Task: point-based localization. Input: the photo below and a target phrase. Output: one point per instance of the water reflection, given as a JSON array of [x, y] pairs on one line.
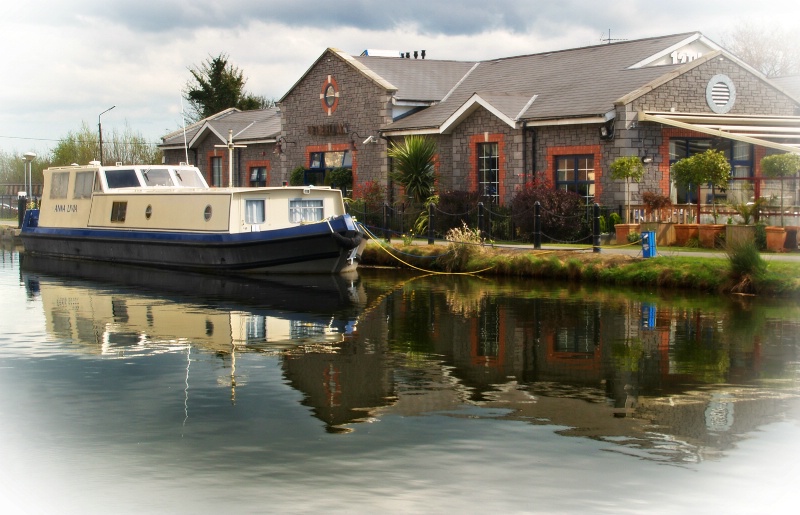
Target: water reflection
[[666, 378]]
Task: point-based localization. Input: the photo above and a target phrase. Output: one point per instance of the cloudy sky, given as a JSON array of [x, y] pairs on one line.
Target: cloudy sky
[[67, 61]]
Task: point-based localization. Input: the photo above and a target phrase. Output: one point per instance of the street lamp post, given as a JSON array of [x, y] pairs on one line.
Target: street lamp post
[[28, 193], [100, 131]]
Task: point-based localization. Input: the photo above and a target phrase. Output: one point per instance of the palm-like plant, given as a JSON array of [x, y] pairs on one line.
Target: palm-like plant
[[414, 166]]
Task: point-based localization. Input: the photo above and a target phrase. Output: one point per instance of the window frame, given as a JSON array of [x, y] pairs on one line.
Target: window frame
[[576, 182], [489, 188], [298, 213]]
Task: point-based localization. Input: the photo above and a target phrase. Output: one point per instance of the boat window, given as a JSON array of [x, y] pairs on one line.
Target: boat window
[[118, 211], [301, 210], [84, 184], [122, 179], [189, 179], [157, 177], [254, 211], [59, 184]]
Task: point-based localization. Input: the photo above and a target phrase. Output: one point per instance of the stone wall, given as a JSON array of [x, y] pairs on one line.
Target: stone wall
[[363, 107]]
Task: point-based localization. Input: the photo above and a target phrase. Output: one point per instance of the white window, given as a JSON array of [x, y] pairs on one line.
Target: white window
[[254, 211], [301, 210]]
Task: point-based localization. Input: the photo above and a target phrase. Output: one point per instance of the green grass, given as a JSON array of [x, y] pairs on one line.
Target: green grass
[[708, 274]]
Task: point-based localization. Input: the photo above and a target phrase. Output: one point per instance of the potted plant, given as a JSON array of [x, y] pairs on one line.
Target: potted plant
[[780, 166], [629, 168], [744, 230], [710, 167], [655, 204]]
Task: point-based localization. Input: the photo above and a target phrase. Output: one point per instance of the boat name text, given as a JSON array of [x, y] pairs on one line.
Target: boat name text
[[66, 208]]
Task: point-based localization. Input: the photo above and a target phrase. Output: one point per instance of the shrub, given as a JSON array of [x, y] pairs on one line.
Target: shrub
[[297, 176], [746, 264], [341, 178], [464, 244], [563, 214], [457, 207], [634, 236], [613, 219]]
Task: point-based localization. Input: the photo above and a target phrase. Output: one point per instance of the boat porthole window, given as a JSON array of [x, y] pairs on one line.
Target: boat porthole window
[[148, 212], [207, 213]]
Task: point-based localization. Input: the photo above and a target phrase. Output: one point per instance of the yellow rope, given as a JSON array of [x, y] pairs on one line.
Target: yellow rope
[[418, 268]]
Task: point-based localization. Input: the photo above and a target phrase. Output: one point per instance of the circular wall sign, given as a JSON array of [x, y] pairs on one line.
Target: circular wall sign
[[329, 96], [720, 94]]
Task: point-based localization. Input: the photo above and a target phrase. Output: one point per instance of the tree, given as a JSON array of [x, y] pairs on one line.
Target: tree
[[82, 146], [217, 85], [781, 165], [710, 167], [628, 168], [774, 51], [413, 161]]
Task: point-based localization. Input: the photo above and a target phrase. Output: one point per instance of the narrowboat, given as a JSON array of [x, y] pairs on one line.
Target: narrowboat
[[167, 216]]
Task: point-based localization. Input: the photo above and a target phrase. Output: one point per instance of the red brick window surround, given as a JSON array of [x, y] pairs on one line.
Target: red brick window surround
[[478, 162], [259, 173], [591, 151], [329, 95]]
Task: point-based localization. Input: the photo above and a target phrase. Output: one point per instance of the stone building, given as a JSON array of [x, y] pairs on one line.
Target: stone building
[[560, 117]]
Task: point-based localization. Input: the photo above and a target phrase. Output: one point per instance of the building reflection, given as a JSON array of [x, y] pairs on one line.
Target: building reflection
[[677, 380]]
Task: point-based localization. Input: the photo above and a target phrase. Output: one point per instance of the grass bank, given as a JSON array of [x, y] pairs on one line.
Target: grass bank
[[725, 274]]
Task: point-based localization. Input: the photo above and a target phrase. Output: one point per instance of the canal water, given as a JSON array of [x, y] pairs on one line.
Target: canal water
[[138, 391]]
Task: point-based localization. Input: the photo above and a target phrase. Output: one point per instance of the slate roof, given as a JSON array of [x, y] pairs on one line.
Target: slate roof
[[579, 82], [419, 80], [255, 125]]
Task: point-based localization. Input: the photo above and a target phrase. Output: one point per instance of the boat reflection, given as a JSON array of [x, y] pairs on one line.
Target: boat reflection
[[121, 310]]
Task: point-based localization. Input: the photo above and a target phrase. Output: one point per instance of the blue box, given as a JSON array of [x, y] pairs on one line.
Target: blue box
[[649, 244]]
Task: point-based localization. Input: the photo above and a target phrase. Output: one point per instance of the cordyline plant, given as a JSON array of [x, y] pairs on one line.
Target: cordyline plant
[[780, 165], [413, 162], [710, 167]]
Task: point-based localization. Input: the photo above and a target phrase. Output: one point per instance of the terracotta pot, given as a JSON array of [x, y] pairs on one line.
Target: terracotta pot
[[623, 230], [791, 237], [708, 234], [685, 232], [776, 237]]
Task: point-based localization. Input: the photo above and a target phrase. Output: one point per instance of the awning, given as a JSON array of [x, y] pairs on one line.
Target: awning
[[778, 132]]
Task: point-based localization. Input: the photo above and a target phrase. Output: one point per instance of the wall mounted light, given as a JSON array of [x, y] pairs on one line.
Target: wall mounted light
[[647, 159], [367, 141], [607, 130], [280, 143]]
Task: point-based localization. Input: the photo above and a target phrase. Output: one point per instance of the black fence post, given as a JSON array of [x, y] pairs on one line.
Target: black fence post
[[596, 228], [22, 204], [402, 217], [431, 208], [537, 226], [480, 220], [386, 233]]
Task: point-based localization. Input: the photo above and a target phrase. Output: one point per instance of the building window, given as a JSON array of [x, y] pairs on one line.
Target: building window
[[216, 171], [258, 176], [305, 211], [739, 155], [488, 171], [320, 163], [576, 173]]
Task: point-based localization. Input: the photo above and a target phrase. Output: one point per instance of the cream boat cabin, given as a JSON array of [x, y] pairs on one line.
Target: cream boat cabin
[[168, 216]]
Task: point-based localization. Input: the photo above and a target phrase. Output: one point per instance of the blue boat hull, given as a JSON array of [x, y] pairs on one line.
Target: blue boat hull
[[327, 247]]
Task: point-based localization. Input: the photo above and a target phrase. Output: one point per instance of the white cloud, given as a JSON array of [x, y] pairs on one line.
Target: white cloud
[[68, 61]]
